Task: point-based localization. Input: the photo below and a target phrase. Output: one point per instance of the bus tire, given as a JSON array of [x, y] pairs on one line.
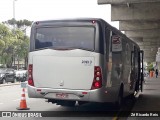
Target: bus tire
[[137, 86], [120, 99]]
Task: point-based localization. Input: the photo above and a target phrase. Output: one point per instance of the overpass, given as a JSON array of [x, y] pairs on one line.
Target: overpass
[[140, 20]]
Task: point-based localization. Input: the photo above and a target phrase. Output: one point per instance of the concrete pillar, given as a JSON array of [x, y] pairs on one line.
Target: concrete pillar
[[124, 1], [151, 44], [142, 11], [153, 39], [149, 59], [137, 39], [138, 25], [144, 33]]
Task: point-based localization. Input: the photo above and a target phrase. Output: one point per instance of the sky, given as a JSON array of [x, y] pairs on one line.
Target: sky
[[35, 10]]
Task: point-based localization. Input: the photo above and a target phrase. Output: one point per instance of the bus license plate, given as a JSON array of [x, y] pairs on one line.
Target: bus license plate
[[62, 95]]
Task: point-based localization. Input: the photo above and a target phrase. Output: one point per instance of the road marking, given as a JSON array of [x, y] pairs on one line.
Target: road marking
[[16, 100]]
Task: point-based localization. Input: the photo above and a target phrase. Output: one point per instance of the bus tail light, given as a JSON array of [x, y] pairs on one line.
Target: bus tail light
[[30, 75], [97, 81]]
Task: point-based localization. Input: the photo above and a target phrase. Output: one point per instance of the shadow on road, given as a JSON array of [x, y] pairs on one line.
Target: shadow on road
[[94, 110]]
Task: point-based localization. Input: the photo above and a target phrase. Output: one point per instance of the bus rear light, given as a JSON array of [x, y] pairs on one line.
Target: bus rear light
[[97, 68], [97, 84], [97, 73], [30, 75], [97, 78], [30, 82], [97, 81], [37, 22], [93, 21]]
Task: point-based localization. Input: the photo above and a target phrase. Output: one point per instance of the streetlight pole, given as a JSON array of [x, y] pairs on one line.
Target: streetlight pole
[[14, 19], [14, 11], [14, 25], [14, 16]]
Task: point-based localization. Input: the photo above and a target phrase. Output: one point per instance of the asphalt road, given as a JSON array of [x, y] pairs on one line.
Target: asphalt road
[[10, 99], [10, 96]]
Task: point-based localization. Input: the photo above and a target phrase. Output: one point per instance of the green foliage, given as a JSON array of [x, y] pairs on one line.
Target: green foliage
[[21, 24], [11, 22], [150, 67], [13, 43]]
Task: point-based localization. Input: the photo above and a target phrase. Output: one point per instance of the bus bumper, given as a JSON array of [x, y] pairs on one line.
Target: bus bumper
[[96, 95]]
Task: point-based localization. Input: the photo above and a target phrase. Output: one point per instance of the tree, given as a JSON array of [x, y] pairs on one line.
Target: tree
[[16, 43], [5, 48], [21, 24], [150, 67]]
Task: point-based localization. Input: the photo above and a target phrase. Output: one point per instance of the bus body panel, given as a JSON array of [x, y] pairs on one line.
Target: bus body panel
[[56, 69]]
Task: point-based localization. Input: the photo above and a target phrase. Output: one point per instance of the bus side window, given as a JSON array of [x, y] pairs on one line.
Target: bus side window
[[107, 42]]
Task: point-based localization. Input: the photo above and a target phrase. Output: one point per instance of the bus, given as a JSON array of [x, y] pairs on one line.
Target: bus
[[82, 60]]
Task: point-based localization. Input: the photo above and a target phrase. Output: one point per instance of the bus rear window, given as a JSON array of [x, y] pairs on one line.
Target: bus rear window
[[65, 37]]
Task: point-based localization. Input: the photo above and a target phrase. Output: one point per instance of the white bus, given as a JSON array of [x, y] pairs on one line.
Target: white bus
[[82, 60]]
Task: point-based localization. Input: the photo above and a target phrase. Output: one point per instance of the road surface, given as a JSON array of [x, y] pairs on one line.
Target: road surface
[[10, 97]]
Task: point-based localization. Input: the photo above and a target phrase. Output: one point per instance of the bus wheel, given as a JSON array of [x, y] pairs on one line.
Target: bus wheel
[[137, 86], [120, 100]]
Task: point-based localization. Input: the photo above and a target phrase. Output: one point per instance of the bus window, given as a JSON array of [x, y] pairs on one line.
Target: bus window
[[65, 37]]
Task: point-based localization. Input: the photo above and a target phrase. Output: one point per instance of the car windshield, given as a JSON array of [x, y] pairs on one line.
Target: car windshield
[[65, 37]]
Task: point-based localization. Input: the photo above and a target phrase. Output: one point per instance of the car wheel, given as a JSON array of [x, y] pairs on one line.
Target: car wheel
[[14, 80], [3, 81]]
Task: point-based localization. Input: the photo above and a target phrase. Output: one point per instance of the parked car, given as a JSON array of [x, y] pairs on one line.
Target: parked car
[[21, 75], [7, 75]]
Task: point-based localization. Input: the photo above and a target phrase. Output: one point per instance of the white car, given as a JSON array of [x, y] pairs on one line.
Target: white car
[[21, 75]]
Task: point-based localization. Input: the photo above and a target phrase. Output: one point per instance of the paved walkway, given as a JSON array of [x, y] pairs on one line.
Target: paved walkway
[[148, 102]]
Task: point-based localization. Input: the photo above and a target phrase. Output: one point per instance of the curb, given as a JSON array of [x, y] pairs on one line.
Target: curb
[[10, 84]]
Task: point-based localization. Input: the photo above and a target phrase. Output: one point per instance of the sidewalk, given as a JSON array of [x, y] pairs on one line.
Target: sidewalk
[[148, 102]]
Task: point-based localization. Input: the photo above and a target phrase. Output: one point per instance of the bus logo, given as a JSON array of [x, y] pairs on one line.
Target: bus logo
[[87, 62]]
